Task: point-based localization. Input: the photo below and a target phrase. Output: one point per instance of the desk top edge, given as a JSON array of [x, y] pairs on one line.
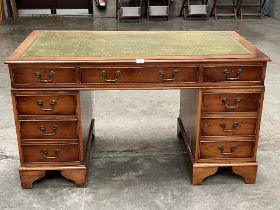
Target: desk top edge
[[17, 58]]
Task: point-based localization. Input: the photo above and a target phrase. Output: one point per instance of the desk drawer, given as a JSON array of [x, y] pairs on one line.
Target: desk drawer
[[49, 129], [233, 149], [43, 76], [50, 153], [46, 104], [139, 75], [228, 126], [232, 73], [231, 102]]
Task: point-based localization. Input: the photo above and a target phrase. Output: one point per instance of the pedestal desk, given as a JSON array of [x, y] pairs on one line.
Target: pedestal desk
[[220, 76]]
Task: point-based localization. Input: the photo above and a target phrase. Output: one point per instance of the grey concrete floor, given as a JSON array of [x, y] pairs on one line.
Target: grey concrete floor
[[137, 161]]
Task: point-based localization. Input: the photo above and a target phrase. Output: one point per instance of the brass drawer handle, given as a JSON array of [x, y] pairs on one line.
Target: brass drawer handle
[[104, 74], [56, 154], [232, 150], [41, 105], [238, 72], [38, 76], [234, 127], [43, 130], [226, 102], [162, 76]]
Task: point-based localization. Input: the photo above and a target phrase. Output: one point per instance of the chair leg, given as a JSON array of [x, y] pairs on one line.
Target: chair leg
[[235, 14], [234, 9], [14, 8], [261, 9], [2, 12], [118, 17], [215, 11], [182, 8], [184, 13]]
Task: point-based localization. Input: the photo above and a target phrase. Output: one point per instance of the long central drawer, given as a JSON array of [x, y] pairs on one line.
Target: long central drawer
[[138, 74]]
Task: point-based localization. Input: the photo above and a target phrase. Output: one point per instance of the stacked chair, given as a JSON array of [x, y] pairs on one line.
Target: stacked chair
[[132, 9], [238, 7], [229, 9], [190, 9], [129, 11], [258, 5], [158, 10]]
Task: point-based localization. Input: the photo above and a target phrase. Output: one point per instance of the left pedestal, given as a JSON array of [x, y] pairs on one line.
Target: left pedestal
[[55, 131]]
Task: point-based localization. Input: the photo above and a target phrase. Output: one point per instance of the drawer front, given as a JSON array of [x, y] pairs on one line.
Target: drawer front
[[232, 73], [43, 76], [48, 129], [228, 126], [139, 75], [46, 105], [50, 153], [231, 102], [227, 149]]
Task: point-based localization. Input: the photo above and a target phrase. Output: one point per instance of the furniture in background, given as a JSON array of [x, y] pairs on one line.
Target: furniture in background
[[220, 76], [228, 9], [101, 3], [54, 5], [157, 10], [13, 7], [258, 5], [2, 12], [192, 10], [127, 11]]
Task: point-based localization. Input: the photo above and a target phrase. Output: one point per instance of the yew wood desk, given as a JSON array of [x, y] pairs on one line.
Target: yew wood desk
[[220, 76]]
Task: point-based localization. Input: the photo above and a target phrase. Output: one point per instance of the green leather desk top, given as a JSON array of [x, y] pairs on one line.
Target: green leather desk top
[[139, 44]]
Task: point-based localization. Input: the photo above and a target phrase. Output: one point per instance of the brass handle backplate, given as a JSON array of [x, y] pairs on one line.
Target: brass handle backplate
[[162, 76], [227, 74], [234, 127], [231, 106], [232, 150], [104, 74], [43, 130], [38, 76], [56, 154], [40, 103]]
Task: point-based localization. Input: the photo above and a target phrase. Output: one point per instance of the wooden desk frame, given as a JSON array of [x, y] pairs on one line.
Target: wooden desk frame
[[211, 95]]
